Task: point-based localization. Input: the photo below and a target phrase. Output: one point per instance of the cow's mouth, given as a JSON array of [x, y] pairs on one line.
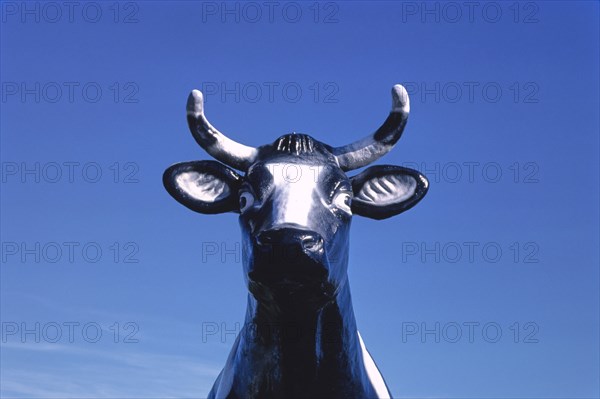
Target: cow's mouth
[[297, 282], [291, 279], [288, 296]]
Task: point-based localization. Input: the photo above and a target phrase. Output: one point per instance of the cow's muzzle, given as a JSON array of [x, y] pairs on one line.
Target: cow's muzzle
[[289, 257]]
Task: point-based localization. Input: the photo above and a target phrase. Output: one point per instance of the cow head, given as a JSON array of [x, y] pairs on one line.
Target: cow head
[[295, 200]]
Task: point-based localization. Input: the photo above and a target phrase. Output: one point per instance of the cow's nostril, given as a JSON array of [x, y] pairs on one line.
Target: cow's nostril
[[312, 243]]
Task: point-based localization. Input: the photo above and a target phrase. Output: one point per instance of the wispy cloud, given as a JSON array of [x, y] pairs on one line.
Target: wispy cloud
[[72, 371]]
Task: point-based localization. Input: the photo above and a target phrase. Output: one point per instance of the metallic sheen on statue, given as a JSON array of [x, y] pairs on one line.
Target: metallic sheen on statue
[[296, 202]]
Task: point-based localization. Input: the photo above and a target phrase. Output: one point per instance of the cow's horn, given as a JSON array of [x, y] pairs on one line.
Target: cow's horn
[[370, 148], [218, 145]]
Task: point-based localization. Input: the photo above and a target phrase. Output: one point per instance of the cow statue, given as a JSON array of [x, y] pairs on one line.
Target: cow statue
[[295, 203]]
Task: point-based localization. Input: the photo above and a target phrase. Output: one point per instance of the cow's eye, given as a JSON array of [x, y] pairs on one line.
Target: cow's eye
[[246, 200], [342, 201]]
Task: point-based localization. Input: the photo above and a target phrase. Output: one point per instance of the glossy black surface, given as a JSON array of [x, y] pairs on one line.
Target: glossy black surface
[[300, 338]]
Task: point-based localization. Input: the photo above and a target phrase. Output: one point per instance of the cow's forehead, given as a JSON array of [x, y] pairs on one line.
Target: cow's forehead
[[295, 172], [298, 160]]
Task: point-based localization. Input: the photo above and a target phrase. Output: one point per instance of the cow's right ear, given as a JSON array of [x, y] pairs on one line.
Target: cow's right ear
[[203, 186]]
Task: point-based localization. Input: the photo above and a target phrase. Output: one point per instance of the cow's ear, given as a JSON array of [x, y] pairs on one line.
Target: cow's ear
[[384, 191], [203, 186]]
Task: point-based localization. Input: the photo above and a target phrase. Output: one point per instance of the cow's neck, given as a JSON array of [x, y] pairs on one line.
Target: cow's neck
[[298, 351]]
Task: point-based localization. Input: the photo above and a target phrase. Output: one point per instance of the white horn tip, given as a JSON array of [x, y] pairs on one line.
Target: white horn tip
[[400, 100], [195, 104]]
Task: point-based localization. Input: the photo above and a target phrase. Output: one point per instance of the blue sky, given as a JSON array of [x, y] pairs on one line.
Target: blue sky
[[504, 248]]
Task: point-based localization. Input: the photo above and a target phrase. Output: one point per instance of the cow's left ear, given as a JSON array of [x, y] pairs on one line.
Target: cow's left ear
[[203, 186], [383, 191]]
